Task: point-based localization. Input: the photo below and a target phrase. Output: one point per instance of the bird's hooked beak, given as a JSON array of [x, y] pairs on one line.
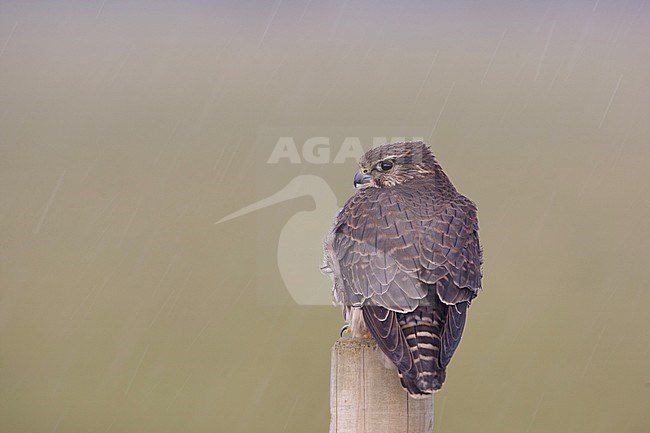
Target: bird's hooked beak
[[361, 180]]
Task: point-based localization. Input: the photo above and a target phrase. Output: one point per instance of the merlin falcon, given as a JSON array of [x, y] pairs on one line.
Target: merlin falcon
[[406, 262]]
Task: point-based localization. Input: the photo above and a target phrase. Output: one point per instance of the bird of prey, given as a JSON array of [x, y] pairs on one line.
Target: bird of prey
[[406, 262]]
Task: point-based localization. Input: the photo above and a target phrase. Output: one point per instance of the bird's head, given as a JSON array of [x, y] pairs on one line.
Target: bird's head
[[394, 164]]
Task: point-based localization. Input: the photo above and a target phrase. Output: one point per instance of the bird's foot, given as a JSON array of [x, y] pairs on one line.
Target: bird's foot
[[345, 330]]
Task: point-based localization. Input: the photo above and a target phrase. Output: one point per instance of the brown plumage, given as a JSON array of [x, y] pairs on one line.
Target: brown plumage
[[405, 259]]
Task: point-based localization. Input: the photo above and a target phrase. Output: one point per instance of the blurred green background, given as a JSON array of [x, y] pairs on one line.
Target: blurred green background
[[128, 128]]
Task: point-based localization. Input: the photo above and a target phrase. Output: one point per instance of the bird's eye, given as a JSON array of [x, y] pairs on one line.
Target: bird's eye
[[385, 165]]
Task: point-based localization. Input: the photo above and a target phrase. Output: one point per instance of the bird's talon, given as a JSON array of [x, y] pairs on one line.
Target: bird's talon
[[345, 330]]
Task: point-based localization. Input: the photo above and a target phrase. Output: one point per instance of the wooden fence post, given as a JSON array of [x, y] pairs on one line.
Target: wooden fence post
[[366, 397]]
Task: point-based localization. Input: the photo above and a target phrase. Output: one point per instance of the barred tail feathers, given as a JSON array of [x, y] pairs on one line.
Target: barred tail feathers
[[422, 329], [412, 341]]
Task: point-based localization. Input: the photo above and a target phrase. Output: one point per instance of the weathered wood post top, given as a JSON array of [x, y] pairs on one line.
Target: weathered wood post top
[[366, 396]]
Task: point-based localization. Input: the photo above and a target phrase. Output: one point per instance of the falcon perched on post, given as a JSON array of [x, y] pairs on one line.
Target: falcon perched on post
[[405, 260]]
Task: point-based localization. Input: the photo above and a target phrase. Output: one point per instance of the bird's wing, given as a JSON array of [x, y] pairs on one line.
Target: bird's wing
[[451, 261], [450, 253], [391, 247], [375, 247], [383, 325], [453, 329]]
